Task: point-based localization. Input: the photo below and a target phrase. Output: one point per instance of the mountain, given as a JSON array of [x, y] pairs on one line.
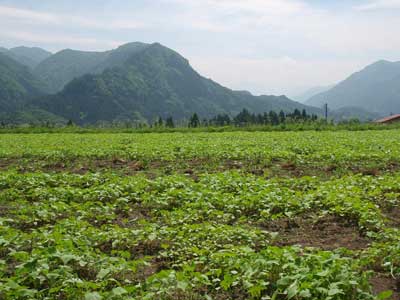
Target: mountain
[[303, 97], [348, 113], [376, 88], [31, 115], [142, 81], [17, 84], [61, 68], [28, 56]]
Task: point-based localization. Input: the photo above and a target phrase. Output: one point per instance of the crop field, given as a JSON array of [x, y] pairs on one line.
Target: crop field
[[176, 216]]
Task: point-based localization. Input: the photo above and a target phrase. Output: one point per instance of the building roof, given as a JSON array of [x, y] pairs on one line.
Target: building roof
[[388, 119]]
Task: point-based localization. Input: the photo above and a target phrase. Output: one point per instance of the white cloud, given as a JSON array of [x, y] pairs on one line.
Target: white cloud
[[54, 39], [278, 7], [267, 46], [12, 12], [293, 23], [233, 15], [47, 18], [380, 4]]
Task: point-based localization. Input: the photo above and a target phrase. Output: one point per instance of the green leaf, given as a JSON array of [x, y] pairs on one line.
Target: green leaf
[[334, 291], [385, 295], [182, 285], [152, 236], [66, 258], [119, 291], [227, 282], [103, 273], [256, 290], [93, 296], [323, 273], [305, 294], [292, 290]]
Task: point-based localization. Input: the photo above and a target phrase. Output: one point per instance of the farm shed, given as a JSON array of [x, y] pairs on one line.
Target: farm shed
[[389, 120]]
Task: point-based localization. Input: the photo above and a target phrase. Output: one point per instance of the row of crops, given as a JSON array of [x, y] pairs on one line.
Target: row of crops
[[212, 233], [305, 147]]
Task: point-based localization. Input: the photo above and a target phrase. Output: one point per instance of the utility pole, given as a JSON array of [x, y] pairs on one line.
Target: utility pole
[[326, 112]]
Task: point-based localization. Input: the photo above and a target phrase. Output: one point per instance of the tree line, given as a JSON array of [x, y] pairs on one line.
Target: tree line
[[244, 118]]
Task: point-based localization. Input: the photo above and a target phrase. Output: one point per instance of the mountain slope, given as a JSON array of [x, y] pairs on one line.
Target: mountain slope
[[64, 66], [17, 84], [150, 81], [375, 88], [28, 56], [31, 115], [303, 97], [349, 113]]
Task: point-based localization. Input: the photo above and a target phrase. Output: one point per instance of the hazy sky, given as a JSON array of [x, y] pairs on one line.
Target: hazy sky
[[265, 46]]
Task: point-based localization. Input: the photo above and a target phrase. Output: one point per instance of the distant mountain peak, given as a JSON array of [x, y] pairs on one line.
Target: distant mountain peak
[[132, 44], [28, 56], [381, 62], [23, 48], [380, 65], [376, 88]]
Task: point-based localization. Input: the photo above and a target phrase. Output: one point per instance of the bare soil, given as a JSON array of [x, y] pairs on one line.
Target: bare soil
[[327, 233], [393, 215], [195, 166], [381, 283]]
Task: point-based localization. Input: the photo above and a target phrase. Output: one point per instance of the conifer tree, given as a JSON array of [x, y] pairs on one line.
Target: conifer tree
[[194, 121], [169, 122]]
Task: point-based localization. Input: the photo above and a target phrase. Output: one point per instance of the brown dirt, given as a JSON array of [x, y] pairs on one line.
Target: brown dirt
[[233, 164], [291, 166], [194, 166], [4, 210], [371, 172], [327, 233], [381, 283], [5, 162], [331, 168], [393, 166], [129, 218], [87, 272], [393, 216], [153, 267]]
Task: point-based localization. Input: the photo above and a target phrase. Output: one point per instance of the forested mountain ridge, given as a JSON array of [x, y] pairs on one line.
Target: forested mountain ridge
[[64, 66], [143, 82], [17, 84], [27, 56]]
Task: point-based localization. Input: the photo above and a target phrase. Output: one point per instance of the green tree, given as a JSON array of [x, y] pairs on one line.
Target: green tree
[[169, 122], [304, 115], [296, 114], [266, 118], [243, 118], [194, 121], [160, 122], [274, 118], [282, 117]]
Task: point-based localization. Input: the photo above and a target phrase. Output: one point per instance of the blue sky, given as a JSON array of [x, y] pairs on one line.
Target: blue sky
[[265, 46]]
